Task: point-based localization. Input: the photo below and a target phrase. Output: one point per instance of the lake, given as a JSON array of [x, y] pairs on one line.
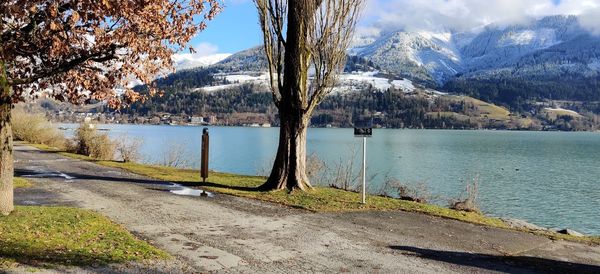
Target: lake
[[550, 179]]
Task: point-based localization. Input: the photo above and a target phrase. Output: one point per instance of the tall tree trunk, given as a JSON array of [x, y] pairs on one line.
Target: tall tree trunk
[[6, 146], [289, 169]]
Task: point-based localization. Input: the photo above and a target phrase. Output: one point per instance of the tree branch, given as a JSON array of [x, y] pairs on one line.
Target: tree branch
[[101, 56]]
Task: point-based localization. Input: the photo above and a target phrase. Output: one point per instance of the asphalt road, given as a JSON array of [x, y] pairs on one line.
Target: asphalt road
[[227, 234]]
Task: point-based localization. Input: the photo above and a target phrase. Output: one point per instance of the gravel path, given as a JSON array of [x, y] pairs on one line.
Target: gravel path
[[234, 235]]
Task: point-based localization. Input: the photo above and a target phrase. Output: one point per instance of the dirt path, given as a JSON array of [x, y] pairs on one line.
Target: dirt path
[[228, 234]]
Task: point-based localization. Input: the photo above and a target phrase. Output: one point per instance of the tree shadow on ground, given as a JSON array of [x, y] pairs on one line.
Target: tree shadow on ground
[[79, 176], [53, 259], [23, 253], [508, 264]]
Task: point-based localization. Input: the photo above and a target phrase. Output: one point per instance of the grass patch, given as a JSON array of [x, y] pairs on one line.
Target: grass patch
[[486, 109], [321, 199], [448, 114], [21, 183], [45, 236]]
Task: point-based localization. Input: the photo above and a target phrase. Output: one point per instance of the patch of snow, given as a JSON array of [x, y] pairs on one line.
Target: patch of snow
[[436, 92], [541, 38], [448, 67], [594, 65], [575, 113], [405, 85], [188, 61], [244, 78], [236, 80], [210, 89], [358, 78], [521, 38], [443, 36], [355, 80]]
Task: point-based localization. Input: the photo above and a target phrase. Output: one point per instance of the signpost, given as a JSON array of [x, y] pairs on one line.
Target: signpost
[[204, 156], [364, 129]]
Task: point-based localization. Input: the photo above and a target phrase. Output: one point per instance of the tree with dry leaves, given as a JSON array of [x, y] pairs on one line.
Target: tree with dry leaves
[[305, 43], [83, 50]]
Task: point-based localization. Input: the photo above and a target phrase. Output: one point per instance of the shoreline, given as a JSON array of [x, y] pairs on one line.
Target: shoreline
[[311, 127], [187, 177]]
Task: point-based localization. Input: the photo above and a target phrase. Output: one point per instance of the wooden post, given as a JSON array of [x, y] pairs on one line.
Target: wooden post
[[204, 156]]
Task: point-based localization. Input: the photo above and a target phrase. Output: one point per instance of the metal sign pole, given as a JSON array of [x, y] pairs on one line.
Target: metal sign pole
[[364, 171], [364, 129]]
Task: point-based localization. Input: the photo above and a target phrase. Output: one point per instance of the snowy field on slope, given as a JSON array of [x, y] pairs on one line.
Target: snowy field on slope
[[236, 80], [561, 111], [347, 82], [356, 80]]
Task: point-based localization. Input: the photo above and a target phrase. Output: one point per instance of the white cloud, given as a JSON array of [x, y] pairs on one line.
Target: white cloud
[[202, 50], [463, 15], [591, 20]]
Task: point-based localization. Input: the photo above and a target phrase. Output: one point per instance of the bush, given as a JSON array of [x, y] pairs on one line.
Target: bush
[[88, 141], [129, 148], [175, 155], [35, 128], [394, 188], [315, 168], [342, 175], [468, 203]]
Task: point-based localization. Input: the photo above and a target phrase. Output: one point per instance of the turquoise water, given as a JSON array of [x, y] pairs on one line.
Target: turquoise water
[[551, 179]]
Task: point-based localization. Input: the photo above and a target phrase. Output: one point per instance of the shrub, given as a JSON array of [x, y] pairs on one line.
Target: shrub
[[35, 128], [88, 141], [129, 148], [468, 203], [175, 155], [315, 168], [342, 175], [394, 188]]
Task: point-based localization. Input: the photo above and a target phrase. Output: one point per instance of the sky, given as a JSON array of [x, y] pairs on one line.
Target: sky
[[236, 28]]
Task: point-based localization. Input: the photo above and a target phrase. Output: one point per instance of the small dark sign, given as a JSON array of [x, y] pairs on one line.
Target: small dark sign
[[363, 132], [363, 128]]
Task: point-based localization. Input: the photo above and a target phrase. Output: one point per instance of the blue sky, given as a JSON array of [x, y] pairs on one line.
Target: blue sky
[[233, 30], [236, 28]]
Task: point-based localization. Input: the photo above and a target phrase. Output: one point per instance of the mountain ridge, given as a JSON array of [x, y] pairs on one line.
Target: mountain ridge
[[436, 58]]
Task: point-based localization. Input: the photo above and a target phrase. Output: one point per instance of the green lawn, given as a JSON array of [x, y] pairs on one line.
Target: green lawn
[[486, 109], [45, 236], [448, 114], [321, 199]]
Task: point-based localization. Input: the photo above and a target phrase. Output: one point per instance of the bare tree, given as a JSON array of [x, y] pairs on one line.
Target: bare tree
[[175, 155], [301, 37]]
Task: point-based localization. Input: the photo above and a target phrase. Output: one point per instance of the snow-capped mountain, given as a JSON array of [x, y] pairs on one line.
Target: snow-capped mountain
[[189, 61], [252, 59], [548, 58], [439, 57], [422, 55]]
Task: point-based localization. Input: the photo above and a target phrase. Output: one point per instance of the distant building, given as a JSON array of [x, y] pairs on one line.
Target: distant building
[[212, 119], [197, 120]]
